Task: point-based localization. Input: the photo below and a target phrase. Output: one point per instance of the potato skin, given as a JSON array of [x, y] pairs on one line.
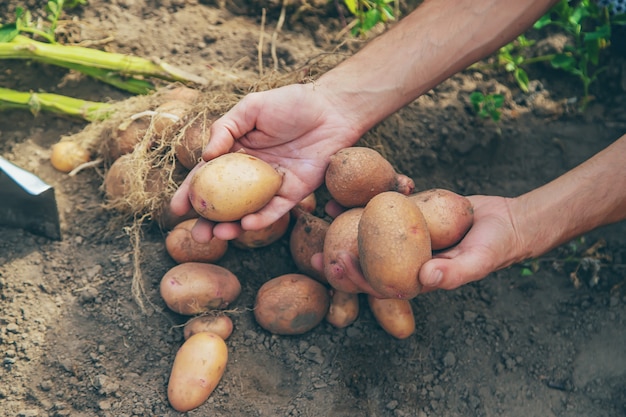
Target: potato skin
[[193, 288], [251, 239], [232, 185], [307, 239], [197, 369], [291, 304], [356, 174], [393, 242], [448, 216], [342, 236], [221, 325], [66, 155], [343, 310], [394, 315], [188, 149], [182, 248]]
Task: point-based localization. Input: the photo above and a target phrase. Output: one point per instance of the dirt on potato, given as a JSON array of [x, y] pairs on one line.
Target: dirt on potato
[[541, 339]]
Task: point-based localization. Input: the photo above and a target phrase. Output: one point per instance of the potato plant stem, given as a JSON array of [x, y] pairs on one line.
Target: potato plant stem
[[87, 110], [22, 47]]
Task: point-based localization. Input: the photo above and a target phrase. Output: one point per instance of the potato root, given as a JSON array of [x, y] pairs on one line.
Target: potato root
[[197, 370], [182, 247], [252, 239], [343, 310], [394, 315], [221, 325], [307, 239], [232, 185], [354, 175], [193, 288], [448, 216], [393, 243], [291, 304]]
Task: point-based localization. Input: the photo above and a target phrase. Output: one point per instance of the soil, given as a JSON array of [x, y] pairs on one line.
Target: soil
[[541, 339]]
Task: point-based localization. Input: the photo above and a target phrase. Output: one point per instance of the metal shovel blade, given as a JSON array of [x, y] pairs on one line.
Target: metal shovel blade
[[27, 202]]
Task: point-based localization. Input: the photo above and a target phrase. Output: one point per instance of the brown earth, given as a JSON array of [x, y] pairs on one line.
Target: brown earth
[[74, 341]]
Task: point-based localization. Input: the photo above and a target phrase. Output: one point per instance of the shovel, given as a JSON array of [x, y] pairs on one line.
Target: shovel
[[27, 202]]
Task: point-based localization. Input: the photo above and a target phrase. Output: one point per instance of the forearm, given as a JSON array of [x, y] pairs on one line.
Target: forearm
[[435, 41], [589, 196]]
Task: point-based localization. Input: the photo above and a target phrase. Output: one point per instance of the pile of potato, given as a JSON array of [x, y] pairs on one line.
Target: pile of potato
[[377, 244]]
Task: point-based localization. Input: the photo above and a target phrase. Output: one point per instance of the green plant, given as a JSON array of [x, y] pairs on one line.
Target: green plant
[[487, 106], [369, 13], [588, 27]]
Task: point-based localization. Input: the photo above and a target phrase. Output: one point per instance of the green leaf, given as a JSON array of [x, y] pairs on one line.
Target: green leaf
[[527, 272], [563, 61], [498, 100], [522, 79], [8, 32], [543, 21], [372, 17], [603, 32], [351, 5]]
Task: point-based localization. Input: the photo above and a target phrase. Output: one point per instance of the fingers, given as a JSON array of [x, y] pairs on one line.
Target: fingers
[[180, 204], [453, 271]]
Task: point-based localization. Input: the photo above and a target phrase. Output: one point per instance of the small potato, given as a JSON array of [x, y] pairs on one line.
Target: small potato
[[197, 369], [307, 205], [356, 174], [67, 155], [291, 304], [182, 247], [251, 239], [194, 139], [341, 237], [307, 239], [221, 325], [232, 185], [393, 242], [194, 288], [343, 310], [448, 216], [180, 93], [394, 315], [126, 136], [121, 178], [168, 115]]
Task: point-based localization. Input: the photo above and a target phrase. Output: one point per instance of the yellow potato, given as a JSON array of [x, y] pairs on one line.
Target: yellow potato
[[393, 242], [194, 139], [291, 304], [197, 369], [448, 216], [194, 288], [221, 325], [394, 315], [232, 185], [251, 239], [67, 155], [181, 246], [343, 310]]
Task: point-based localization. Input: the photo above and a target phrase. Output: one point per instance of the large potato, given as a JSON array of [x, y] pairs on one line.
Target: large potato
[[194, 288], [232, 185], [354, 175], [448, 216], [182, 247], [394, 315], [341, 237], [393, 242], [307, 239], [197, 369], [291, 304]]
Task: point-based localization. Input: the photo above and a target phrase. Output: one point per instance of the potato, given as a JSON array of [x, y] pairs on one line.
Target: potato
[[121, 178], [291, 304], [194, 288], [232, 185], [341, 236], [448, 216], [354, 175], [126, 136], [305, 240], [194, 139], [168, 115], [251, 239], [67, 155], [343, 310], [221, 325], [181, 246], [307, 205], [394, 315], [393, 243], [180, 93], [197, 369]]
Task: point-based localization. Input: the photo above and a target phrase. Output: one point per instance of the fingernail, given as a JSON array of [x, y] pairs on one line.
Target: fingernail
[[434, 278]]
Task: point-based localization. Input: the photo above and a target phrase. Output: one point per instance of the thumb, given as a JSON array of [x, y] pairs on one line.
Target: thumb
[[452, 272]]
